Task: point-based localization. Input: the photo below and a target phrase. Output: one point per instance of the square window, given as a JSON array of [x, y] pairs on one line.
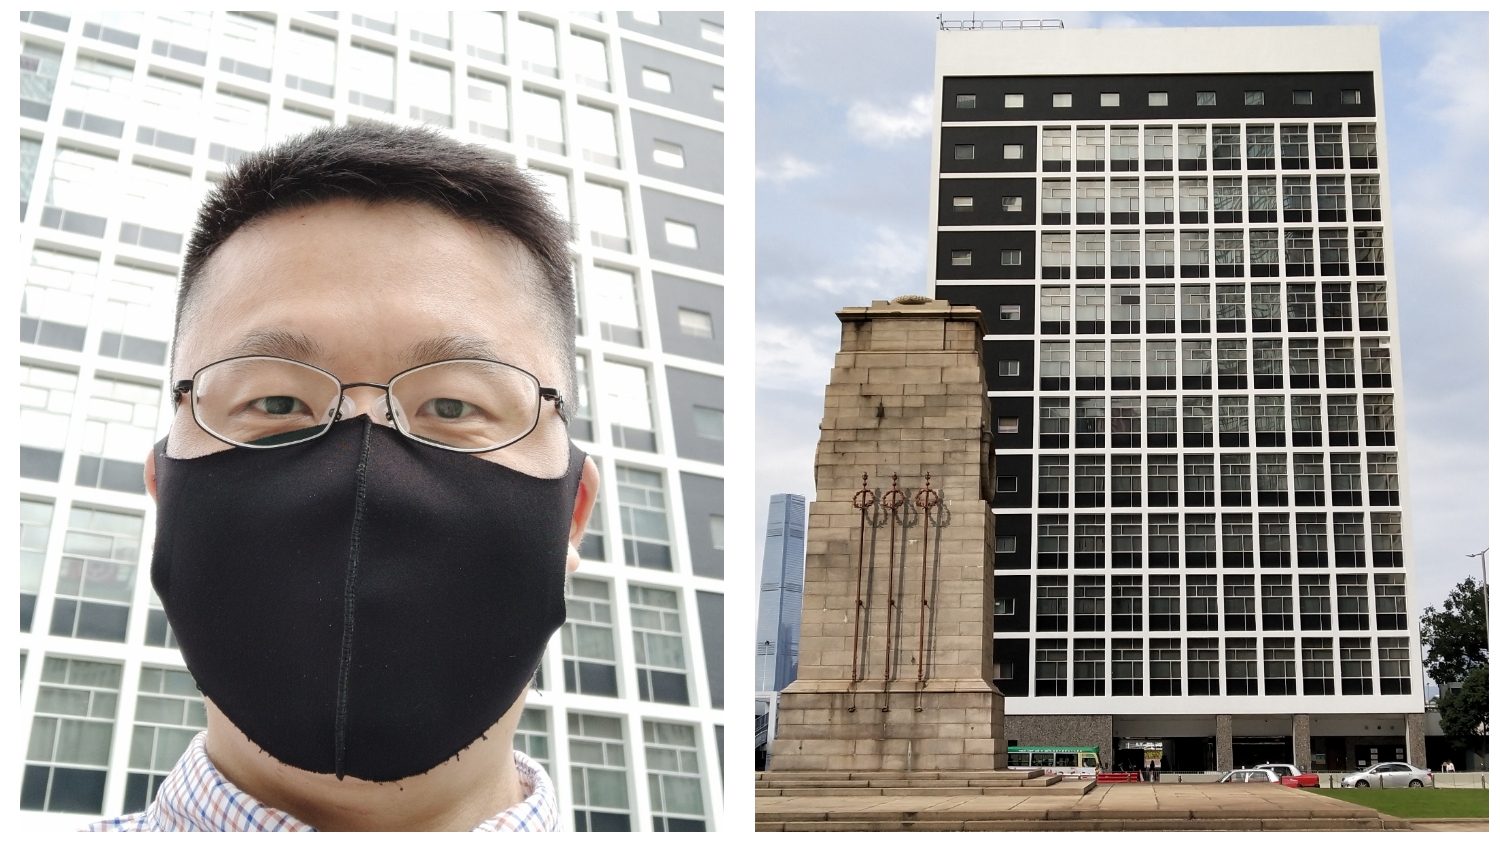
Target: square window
[[1005, 670], [1062, 100], [713, 32], [718, 94], [1208, 98], [1156, 98], [1005, 544], [656, 80], [963, 257], [695, 323], [1006, 484], [708, 422], [682, 234], [1010, 257], [1008, 424], [968, 101], [963, 151], [1255, 98], [1010, 204], [667, 154], [1006, 606], [1010, 313], [1349, 97], [963, 203], [1015, 100], [1301, 97], [1013, 150], [1109, 100], [1010, 368]]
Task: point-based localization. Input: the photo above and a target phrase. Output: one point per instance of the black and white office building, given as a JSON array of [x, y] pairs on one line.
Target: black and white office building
[[1181, 243]]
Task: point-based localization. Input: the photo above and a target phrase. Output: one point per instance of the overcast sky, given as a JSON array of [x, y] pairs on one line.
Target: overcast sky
[[843, 134]]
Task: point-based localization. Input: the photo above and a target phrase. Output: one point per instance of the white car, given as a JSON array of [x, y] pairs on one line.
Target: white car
[[1250, 777], [1389, 774]]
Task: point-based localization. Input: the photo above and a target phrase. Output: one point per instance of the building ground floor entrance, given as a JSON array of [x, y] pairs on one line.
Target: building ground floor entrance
[[1196, 743]]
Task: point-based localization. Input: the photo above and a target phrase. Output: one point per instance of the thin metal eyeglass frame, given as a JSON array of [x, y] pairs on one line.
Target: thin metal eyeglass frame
[[544, 393]]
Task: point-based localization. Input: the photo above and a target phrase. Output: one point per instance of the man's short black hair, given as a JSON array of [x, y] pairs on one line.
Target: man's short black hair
[[375, 163]]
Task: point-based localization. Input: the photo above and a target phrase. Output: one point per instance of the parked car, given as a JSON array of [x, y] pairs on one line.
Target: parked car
[[1389, 774], [1289, 771], [1255, 776]]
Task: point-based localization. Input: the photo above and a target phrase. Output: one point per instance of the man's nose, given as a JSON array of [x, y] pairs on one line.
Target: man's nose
[[362, 400]]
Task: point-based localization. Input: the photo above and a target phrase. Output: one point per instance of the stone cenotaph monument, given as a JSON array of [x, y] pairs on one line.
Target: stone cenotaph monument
[[895, 660]]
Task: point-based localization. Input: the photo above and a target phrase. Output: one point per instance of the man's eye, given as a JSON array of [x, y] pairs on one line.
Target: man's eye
[[278, 405], [449, 408]]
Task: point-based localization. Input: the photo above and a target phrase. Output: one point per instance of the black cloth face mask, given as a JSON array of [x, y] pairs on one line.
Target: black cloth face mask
[[361, 604]]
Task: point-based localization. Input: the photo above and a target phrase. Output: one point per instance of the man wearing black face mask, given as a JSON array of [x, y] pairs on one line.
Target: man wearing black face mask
[[367, 500]]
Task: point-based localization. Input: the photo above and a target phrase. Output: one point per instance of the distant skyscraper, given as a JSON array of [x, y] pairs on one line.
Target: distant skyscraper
[[779, 625]]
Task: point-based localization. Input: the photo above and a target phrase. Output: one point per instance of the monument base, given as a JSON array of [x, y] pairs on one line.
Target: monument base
[[946, 725]]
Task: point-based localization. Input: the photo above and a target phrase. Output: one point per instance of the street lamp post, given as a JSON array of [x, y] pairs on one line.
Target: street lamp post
[[1484, 576]]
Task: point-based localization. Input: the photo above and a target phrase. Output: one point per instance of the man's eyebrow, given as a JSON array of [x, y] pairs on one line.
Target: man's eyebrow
[[276, 342], [449, 348]]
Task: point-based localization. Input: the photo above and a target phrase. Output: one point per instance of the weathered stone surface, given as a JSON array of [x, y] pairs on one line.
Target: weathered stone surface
[[1416, 739], [1302, 741], [1224, 742], [889, 680], [1064, 730]]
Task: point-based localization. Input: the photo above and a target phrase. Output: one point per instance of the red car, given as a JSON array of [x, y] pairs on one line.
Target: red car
[[1287, 771]]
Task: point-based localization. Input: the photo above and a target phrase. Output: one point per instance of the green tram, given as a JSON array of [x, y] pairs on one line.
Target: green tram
[[1074, 761]]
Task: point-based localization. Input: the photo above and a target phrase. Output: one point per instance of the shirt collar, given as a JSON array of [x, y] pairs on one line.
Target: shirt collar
[[195, 797]]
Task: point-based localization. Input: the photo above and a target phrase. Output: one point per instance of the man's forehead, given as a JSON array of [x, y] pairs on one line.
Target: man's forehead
[[281, 342], [458, 286]]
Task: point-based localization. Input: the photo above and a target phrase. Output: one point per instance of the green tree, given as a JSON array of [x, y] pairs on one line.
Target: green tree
[[1455, 637], [1464, 714]]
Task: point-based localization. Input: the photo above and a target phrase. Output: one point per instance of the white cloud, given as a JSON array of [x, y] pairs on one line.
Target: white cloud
[[795, 357], [889, 265], [784, 169], [885, 126]]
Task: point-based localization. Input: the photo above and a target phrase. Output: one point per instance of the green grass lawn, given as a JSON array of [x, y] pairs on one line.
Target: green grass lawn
[[1410, 803]]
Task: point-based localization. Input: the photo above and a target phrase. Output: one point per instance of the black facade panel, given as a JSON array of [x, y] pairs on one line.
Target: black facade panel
[[1018, 527], [986, 255], [1019, 408], [1018, 588], [986, 208], [984, 149], [989, 298], [1021, 351], [1017, 653], [1181, 89], [1019, 467]]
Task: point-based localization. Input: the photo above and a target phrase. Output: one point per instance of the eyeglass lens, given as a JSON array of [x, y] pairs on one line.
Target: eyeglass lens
[[461, 404]]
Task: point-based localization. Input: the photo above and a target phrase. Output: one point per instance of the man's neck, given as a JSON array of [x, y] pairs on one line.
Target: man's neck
[[456, 795]]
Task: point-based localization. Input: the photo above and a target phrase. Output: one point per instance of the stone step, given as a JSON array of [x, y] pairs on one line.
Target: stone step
[[914, 789], [1096, 824], [904, 775], [797, 781]]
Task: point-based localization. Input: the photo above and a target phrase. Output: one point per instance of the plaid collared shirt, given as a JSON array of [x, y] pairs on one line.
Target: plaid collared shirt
[[194, 797]]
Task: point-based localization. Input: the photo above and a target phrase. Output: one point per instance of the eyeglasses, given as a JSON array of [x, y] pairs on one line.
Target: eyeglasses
[[467, 405]]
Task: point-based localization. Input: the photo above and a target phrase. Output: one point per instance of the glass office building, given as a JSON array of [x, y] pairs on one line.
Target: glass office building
[[126, 119], [1181, 243]]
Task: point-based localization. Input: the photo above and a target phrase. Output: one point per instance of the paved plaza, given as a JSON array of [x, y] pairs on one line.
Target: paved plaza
[[1118, 807]]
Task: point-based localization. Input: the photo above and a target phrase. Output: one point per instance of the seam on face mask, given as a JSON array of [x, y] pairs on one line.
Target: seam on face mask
[[346, 654]]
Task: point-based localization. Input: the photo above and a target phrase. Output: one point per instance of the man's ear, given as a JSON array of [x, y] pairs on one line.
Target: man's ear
[[583, 505], [151, 473]]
